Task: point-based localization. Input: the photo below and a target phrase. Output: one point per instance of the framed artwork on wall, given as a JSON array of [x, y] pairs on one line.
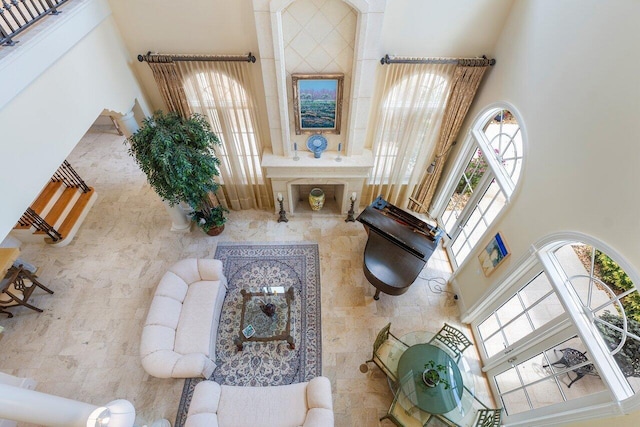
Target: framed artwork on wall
[[493, 254], [317, 102]]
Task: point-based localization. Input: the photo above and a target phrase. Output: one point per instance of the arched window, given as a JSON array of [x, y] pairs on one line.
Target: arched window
[[563, 335], [482, 181], [408, 119], [223, 97], [221, 91]]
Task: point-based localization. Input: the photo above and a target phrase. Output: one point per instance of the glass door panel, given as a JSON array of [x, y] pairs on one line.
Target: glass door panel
[[552, 375]]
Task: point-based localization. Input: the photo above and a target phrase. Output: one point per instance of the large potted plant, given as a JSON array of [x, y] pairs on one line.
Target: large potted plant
[[176, 154]]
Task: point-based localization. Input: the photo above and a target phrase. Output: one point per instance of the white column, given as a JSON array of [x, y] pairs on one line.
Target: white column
[[129, 123], [179, 221], [29, 406]]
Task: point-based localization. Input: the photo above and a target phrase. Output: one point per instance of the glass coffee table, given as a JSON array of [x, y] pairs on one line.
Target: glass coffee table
[[266, 316]]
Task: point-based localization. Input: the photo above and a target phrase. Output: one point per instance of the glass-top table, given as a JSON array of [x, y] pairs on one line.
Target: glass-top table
[[418, 398], [266, 316], [436, 399]]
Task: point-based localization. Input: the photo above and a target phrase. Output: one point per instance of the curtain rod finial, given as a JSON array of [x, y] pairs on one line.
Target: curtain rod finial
[[492, 61]]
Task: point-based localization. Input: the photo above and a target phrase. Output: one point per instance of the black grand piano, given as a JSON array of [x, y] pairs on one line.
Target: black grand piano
[[398, 247]]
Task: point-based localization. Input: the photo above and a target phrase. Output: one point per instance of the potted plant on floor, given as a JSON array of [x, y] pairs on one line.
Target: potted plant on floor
[[177, 156], [210, 219]]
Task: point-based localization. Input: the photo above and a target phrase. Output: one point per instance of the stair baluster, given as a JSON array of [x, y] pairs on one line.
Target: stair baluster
[[69, 177], [30, 217]]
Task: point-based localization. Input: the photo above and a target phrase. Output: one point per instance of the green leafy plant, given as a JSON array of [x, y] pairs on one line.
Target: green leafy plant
[[628, 358], [432, 373], [615, 277], [209, 218], [177, 156]]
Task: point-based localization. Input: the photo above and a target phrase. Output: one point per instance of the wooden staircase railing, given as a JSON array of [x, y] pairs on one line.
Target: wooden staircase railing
[[31, 219], [65, 176]]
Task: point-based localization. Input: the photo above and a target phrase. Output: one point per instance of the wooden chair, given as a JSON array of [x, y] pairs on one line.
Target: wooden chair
[[453, 339], [16, 289], [387, 350]]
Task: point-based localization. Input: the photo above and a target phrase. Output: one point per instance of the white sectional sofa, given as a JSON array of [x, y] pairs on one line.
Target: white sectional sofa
[[306, 404], [179, 335]]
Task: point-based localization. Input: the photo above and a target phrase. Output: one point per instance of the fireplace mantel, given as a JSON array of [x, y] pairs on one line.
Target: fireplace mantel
[[347, 175]]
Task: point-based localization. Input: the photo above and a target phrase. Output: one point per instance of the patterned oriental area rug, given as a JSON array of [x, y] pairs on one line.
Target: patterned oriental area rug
[[295, 265]]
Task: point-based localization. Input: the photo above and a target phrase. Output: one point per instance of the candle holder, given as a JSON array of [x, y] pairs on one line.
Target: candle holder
[[295, 152], [339, 157], [350, 217], [282, 213]]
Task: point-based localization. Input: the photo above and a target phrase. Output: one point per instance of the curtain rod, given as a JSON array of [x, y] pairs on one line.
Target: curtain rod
[[158, 57], [469, 62]]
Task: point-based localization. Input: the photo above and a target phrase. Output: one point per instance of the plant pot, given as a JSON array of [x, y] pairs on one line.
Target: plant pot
[[214, 231], [431, 377], [316, 199]]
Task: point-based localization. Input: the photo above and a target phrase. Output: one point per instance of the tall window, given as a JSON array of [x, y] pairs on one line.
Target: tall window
[[564, 335], [411, 107], [222, 92], [485, 178]]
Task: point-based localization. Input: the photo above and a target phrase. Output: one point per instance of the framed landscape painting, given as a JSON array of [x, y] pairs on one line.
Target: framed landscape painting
[[493, 254], [317, 102]]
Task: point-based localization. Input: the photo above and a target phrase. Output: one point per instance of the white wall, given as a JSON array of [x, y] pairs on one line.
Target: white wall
[[433, 28], [42, 124], [570, 69], [206, 27]]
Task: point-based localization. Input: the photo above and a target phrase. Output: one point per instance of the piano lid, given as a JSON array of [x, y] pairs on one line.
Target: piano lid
[[402, 228]]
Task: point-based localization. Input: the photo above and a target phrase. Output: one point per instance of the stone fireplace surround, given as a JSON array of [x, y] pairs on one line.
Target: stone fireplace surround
[[294, 178]]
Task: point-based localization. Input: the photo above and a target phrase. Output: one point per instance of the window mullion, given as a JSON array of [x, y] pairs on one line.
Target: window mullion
[[502, 178], [441, 201]]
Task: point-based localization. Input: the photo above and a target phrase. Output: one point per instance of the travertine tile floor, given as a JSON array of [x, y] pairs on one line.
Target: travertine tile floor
[[85, 344]]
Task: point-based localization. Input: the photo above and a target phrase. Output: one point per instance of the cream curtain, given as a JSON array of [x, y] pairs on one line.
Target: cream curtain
[[169, 82], [411, 99], [223, 92], [463, 89]]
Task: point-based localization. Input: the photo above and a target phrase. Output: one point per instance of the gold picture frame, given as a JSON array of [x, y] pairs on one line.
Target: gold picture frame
[[317, 102], [493, 254]]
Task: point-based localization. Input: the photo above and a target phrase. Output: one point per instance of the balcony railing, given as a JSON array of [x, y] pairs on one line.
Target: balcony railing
[[18, 15]]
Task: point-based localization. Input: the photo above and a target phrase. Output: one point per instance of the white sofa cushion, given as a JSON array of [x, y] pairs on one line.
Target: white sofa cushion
[[178, 339], [284, 405], [194, 332], [305, 404]]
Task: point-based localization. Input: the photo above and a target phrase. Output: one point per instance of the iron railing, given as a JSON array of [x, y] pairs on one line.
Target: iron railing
[[31, 219], [18, 15], [69, 178], [67, 175]]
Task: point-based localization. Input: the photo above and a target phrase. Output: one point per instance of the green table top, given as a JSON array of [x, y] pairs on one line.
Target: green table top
[[435, 400]]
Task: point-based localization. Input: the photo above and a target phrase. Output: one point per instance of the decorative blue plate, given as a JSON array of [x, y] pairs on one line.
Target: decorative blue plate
[[317, 144]]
